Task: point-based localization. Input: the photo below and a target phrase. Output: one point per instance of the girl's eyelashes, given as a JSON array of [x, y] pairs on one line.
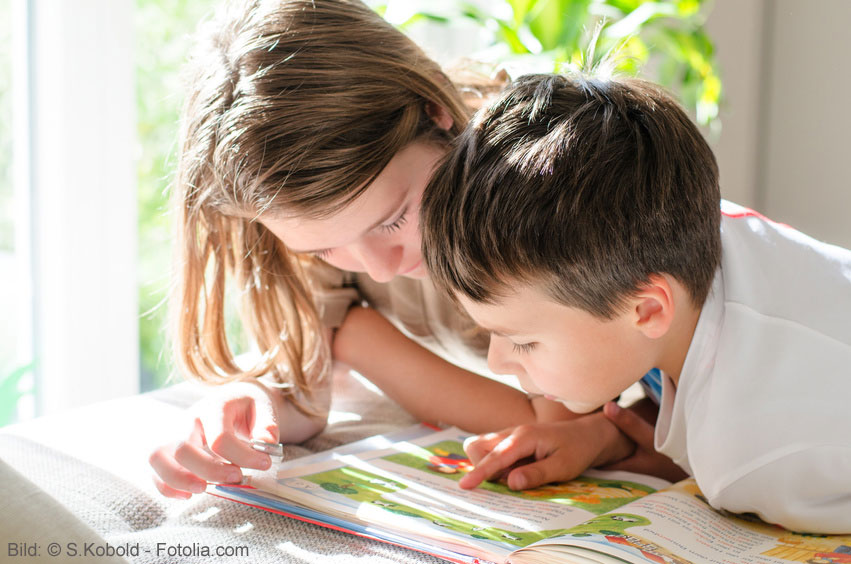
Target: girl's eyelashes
[[523, 348], [387, 228], [396, 225]]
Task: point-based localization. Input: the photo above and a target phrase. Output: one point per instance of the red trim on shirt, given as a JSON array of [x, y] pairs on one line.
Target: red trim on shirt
[[751, 213]]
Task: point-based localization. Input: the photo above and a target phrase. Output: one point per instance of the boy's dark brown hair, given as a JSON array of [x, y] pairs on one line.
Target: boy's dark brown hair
[[582, 186]]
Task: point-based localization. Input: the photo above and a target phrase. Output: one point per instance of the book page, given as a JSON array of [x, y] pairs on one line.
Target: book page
[[412, 486], [677, 526]]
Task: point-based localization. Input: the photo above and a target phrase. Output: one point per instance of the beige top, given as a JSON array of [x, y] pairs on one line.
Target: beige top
[[415, 307]]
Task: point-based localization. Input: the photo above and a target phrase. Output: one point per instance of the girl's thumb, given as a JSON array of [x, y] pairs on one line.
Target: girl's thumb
[[630, 424], [265, 426]]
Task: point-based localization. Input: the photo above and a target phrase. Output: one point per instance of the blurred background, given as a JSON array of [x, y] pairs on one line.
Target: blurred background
[[90, 92]]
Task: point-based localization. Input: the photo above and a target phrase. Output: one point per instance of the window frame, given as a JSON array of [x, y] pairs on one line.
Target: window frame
[[75, 146]]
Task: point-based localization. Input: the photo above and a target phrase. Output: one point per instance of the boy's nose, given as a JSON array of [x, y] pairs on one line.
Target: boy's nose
[[498, 361]]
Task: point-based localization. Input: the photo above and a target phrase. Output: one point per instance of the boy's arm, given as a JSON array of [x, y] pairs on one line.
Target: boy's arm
[[428, 387]]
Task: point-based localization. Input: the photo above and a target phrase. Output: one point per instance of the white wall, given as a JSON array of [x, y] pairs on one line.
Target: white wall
[[737, 28], [808, 149], [785, 147]]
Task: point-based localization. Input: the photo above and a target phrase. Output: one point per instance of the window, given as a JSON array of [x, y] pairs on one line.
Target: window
[[163, 30], [16, 355], [70, 193]]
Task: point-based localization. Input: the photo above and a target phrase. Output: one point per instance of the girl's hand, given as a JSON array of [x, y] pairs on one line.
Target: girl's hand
[[559, 450], [217, 445], [645, 459]]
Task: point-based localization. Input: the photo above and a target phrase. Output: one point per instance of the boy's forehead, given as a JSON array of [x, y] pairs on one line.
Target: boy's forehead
[[514, 313]]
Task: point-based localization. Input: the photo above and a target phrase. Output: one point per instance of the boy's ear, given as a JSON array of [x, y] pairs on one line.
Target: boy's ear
[[439, 116], [653, 307]]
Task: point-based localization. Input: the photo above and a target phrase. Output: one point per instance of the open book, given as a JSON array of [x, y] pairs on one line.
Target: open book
[[402, 488]]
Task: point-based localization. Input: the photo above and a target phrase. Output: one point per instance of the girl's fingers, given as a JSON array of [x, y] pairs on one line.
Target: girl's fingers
[[203, 464], [197, 436], [265, 425], [631, 425], [217, 445], [168, 491], [239, 451], [172, 475]]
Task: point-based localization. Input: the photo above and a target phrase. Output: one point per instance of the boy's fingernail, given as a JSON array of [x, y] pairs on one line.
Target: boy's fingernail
[[518, 482], [197, 488], [234, 476]]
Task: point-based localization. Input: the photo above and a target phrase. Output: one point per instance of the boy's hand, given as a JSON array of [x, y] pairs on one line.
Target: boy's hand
[[645, 459], [217, 445], [562, 450]]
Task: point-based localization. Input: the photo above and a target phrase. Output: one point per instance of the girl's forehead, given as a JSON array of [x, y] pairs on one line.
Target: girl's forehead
[[402, 180], [301, 233]]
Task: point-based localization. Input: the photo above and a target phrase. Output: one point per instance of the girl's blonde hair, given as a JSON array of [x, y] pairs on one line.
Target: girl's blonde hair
[[294, 106]]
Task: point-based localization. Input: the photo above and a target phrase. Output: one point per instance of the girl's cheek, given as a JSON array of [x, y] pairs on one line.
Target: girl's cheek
[[412, 240], [343, 261]]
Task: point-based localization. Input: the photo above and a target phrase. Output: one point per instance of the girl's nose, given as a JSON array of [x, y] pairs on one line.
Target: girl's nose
[[380, 263]]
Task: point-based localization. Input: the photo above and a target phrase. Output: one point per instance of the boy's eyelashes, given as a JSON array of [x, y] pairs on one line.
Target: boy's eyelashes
[[523, 347]]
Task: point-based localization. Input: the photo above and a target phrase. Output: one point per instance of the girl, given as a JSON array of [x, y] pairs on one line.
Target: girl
[[308, 136]]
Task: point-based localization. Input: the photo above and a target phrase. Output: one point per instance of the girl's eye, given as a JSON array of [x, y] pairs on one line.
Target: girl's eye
[[524, 348], [396, 225], [322, 254]]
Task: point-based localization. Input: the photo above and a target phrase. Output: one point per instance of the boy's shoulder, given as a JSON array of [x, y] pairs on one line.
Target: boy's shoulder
[[775, 271], [780, 340], [763, 396]]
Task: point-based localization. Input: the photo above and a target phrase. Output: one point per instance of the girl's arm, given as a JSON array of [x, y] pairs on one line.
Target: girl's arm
[[427, 386]]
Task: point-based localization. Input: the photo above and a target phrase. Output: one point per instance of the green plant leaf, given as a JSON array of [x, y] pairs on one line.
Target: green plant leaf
[[625, 6], [512, 38], [423, 16], [519, 9], [688, 8], [544, 35], [558, 24], [9, 394], [635, 20]]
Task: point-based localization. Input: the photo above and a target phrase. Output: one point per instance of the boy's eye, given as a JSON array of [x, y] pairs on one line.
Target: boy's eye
[[523, 348], [396, 225]]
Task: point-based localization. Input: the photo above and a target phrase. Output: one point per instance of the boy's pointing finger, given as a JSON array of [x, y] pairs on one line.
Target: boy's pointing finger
[[479, 447], [508, 451]]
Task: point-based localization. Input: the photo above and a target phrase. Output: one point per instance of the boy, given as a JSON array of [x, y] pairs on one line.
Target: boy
[[598, 253]]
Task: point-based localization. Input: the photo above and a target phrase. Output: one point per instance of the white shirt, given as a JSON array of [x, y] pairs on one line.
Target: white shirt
[[761, 416]]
